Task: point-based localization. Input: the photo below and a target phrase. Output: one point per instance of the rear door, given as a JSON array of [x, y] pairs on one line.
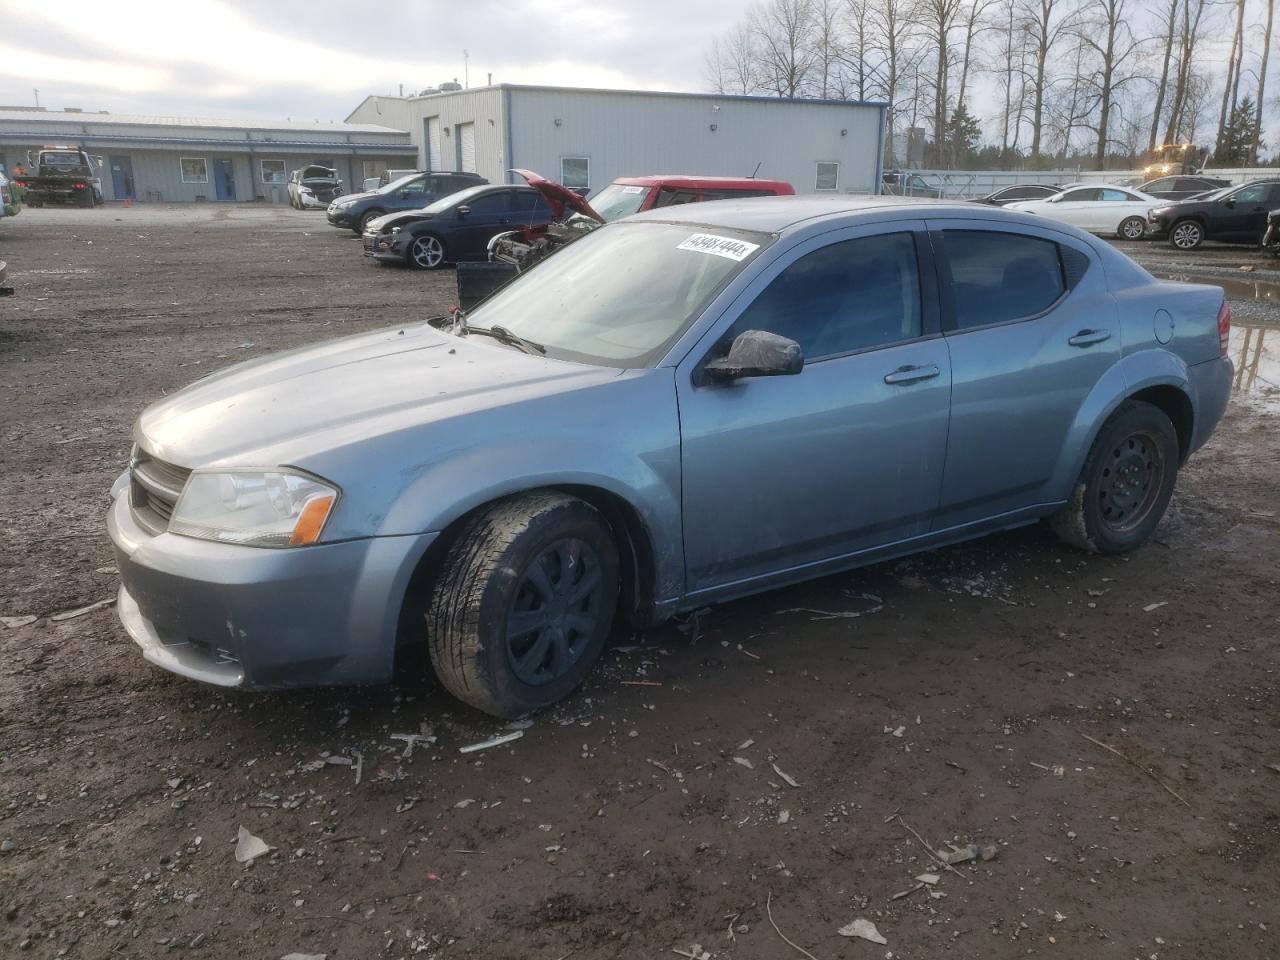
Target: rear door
[[1243, 215], [782, 474], [1031, 329]]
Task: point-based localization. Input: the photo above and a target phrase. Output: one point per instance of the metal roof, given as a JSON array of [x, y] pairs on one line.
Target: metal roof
[[41, 117]]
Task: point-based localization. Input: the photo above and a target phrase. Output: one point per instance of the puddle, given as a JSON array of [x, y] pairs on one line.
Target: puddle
[[1237, 288], [1255, 350]]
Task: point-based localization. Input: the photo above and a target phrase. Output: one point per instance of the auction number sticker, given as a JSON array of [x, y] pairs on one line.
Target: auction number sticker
[[634, 189], [726, 247]]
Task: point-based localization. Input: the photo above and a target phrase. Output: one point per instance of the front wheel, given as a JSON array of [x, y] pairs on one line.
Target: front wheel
[[1186, 235], [426, 252], [1126, 482], [368, 218], [1132, 228], [524, 603]]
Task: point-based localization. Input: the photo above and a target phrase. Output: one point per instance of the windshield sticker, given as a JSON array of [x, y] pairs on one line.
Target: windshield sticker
[[726, 247], [633, 189]]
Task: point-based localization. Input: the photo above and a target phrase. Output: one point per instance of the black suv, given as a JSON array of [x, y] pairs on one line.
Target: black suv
[[1232, 215], [413, 192], [1019, 191]]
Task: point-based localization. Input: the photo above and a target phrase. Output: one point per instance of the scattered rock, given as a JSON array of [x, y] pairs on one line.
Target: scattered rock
[[929, 878], [864, 929], [7, 846], [249, 847], [789, 780]]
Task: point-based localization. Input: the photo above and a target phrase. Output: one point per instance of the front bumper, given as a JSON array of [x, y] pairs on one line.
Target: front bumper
[[1157, 226], [383, 246], [339, 218], [261, 619]]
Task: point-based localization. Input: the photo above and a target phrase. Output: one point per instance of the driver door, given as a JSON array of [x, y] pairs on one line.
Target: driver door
[[782, 475]]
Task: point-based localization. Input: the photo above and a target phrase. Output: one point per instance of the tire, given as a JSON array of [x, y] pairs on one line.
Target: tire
[[426, 252], [529, 556], [365, 218], [1186, 235], [1126, 483], [1132, 228]]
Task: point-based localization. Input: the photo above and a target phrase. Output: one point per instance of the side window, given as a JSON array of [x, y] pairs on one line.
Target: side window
[[672, 196], [997, 277], [1116, 196], [734, 194], [1273, 195], [847, 296], [1088, 194], [415, 187], [489, 203], [531, 205], [1254, 193], [827, 176]]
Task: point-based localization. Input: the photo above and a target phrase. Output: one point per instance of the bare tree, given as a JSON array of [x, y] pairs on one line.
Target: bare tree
[[1047, 21], [937, 19], [1103, 29], [976, 21], [1262, 83], [732, 62], [1188, 39], [1170, 29], [1231, 89], [827, 47], [857, 53], [893, 36], [784, 33]]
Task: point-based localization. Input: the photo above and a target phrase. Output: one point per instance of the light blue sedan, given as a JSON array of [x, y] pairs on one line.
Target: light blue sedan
[[680, 408]]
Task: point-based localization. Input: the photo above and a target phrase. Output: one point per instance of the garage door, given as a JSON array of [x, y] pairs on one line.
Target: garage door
[[467, 147], [433, 144]]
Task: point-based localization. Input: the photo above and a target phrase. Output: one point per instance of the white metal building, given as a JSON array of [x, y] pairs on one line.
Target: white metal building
[[585, 138], [190, 158]]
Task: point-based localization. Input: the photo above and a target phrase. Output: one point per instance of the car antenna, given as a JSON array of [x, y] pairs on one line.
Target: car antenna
[[755, 171]]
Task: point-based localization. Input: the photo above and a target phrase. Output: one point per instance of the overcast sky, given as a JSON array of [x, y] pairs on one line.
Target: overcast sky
[[319, 59]]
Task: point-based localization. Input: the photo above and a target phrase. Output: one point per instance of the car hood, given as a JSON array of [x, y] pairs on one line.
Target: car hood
[[1185, 206], [279, 409], [560, 197], [357, 196], [400, 218]]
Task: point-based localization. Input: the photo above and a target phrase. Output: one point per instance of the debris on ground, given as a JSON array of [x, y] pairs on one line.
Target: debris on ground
[[789, 780], [249, 847], [744, 762], [695, 952], [410, 741], [81, 611], [495, 742], [304, 956], [864, 929], [1155, 606], [13, 623]]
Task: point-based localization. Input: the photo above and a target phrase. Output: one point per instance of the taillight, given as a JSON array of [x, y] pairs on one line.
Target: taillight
[[80, 186], [21, 183], [1224, 327]]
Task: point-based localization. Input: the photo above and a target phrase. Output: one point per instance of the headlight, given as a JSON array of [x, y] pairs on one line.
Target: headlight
[[254, 508], [394, 231]]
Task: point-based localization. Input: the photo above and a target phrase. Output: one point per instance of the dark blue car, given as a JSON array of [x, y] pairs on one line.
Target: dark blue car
[[413, 192]]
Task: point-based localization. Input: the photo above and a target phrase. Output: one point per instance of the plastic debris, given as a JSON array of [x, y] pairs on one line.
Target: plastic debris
[[410, 741], [1155, 606], [249, 847], [744, 762], [864, 929], [929, 878], [495, 742], [81, 611], [786, 777], [13, 623]]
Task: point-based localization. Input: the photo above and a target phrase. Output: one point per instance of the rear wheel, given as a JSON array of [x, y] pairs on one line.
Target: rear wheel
[[1126, 483], [524, 603], [1186, 235], [1132, 228]]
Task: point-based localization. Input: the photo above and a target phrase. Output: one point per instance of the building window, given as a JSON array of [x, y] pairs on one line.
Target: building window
[[828, 177], [273, 171], [194, 169], [575, 172]]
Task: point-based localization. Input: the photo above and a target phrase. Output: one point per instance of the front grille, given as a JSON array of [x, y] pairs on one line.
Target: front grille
[[154, 489]]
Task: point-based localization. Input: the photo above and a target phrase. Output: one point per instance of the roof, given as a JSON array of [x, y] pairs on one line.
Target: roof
[[685, 180], [777, 214], [539, 88], [37, 118]]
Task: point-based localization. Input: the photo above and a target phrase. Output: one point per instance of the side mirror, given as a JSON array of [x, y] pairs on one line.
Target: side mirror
[[464, 210], [1229, 203], [757, 353]]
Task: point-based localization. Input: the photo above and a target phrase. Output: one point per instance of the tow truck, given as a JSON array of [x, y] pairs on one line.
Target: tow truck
[[61, 174]]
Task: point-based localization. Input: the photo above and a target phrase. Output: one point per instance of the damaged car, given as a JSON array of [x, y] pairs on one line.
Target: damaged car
[[314, 187], [680, 408]]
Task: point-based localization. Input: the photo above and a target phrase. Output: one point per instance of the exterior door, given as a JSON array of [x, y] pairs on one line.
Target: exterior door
[[1031, 329], [1243, 215], [489, 214], [782, 474], [467, 147], [1075, 207], [122, 178], [434, 161], [224, 179]]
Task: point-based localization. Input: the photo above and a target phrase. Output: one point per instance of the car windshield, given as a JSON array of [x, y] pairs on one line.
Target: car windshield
[[395, 185], [68, 163], [618, 200], [621, 295]]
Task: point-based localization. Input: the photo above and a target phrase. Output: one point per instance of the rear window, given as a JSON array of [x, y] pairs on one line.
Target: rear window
[[998, 277]]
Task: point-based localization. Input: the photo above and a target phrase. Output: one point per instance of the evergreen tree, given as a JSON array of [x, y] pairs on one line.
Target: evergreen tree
[[1238, 137]]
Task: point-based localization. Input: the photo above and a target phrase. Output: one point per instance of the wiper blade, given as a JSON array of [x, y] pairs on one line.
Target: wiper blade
[[503, 335]]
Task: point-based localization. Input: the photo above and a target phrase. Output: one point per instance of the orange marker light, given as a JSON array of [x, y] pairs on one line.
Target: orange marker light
[[311, 522]]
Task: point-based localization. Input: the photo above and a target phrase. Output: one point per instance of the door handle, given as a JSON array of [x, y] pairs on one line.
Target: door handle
[[1087, 338], [910, 374]]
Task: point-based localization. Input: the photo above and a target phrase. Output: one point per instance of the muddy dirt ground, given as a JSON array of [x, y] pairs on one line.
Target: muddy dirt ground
[[655, 810]]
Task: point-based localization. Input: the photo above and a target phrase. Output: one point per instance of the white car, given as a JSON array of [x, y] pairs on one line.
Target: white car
[[1103, 208]]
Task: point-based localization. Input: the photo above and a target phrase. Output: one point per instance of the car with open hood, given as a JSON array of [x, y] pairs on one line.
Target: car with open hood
[[314, 187], [411, 192], [454, 229], [682, 407], [1231, 215]]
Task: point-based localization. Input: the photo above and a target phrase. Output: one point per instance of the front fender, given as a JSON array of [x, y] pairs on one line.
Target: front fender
[[1129, 375]]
